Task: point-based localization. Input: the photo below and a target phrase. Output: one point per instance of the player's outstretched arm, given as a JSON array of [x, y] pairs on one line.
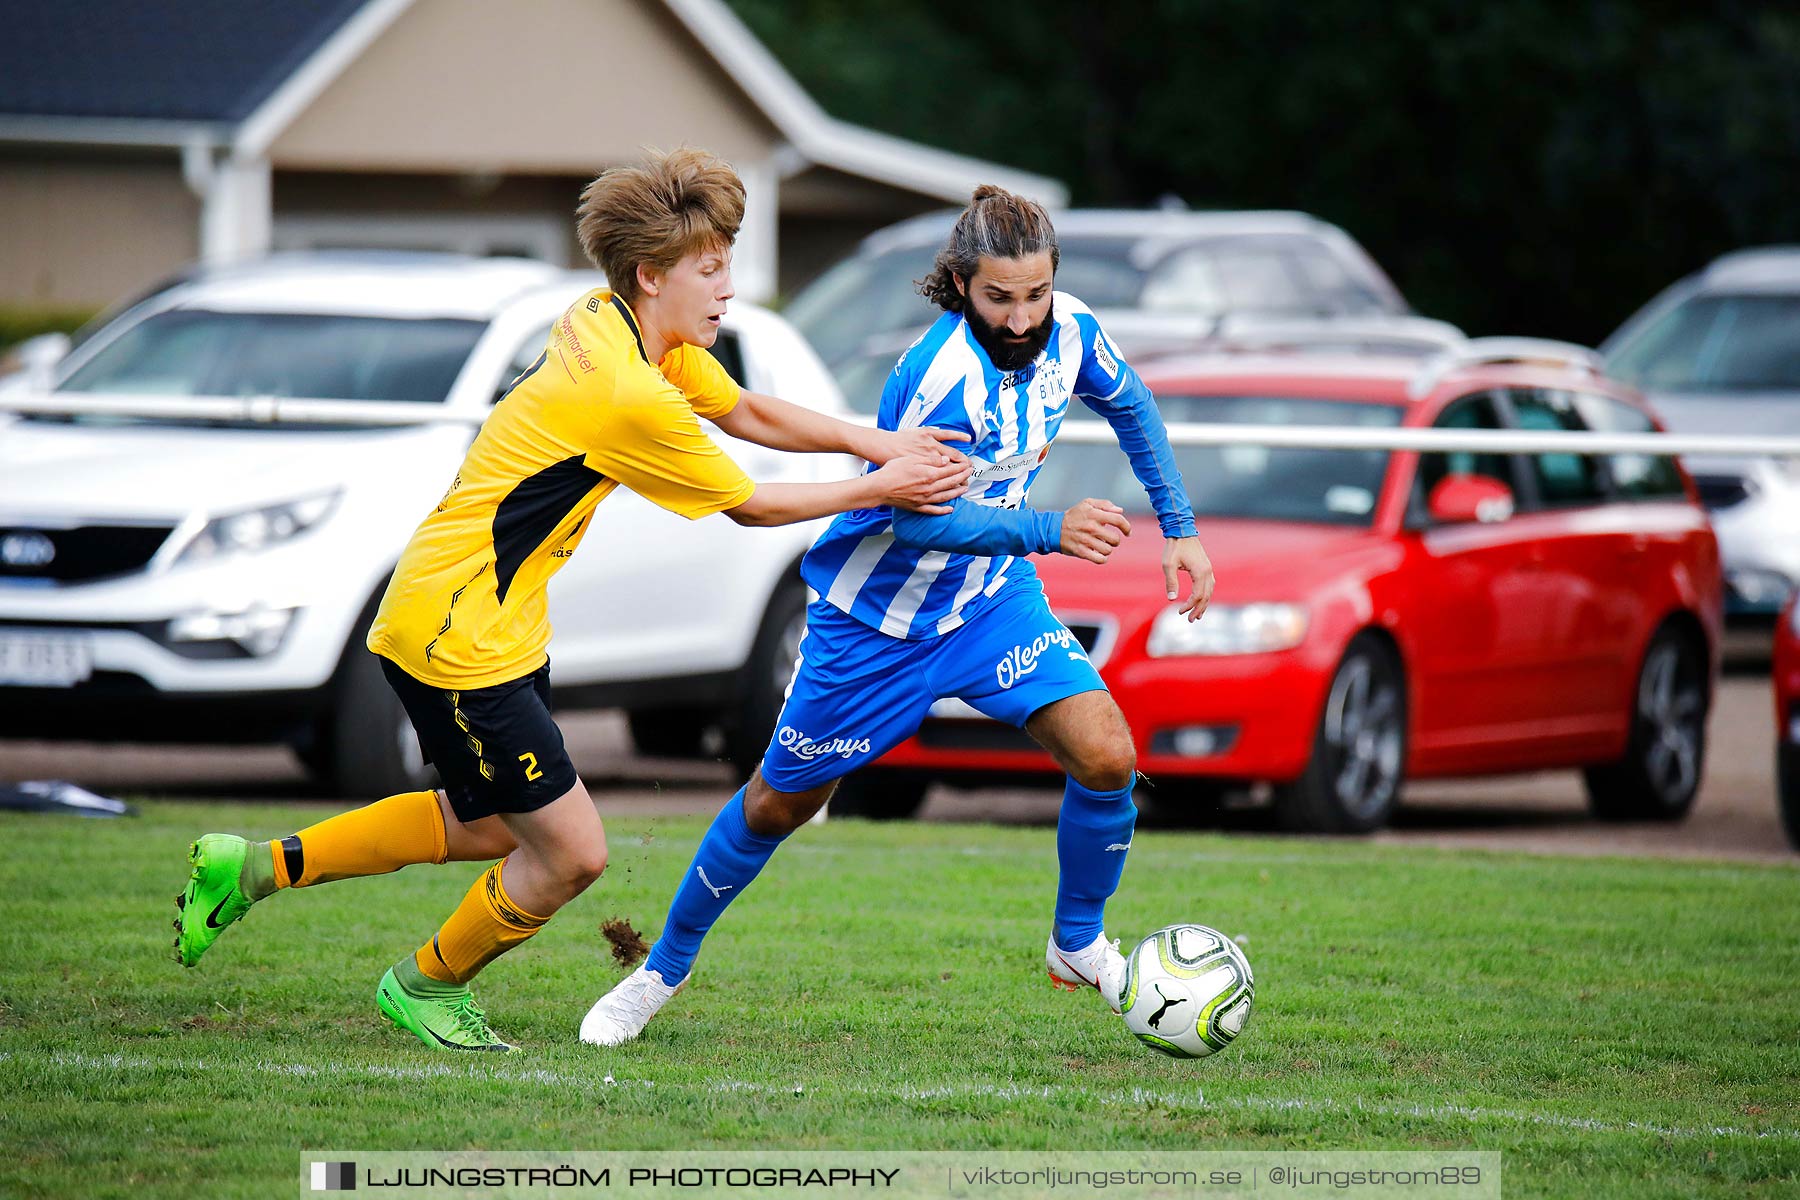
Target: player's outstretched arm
[[773, 422], [968, 528], [927, 485], [1090, 530]]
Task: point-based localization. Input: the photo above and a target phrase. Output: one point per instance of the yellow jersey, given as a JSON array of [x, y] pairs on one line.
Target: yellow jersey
[[466, 607]]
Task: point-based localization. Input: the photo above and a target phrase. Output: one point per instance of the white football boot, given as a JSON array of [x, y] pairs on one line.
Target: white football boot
[[1100, 966], [622, 1013]]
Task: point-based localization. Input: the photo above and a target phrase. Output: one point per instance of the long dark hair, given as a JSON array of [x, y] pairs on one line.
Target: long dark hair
[[996, 224]]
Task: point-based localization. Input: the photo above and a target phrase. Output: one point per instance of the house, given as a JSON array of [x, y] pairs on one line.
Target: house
[[137, 138]]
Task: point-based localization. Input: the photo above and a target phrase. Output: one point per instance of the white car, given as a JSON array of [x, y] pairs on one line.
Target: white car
[[1719, 353], [198, 519]]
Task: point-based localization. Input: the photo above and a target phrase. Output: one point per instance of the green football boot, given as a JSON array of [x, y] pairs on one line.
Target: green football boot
[[442, 1015], [213, 898]]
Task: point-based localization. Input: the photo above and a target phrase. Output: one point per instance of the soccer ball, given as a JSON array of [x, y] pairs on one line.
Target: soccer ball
[[1187, 991]]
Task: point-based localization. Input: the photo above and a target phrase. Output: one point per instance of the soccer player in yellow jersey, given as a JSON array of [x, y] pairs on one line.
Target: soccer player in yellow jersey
[[614, 401]]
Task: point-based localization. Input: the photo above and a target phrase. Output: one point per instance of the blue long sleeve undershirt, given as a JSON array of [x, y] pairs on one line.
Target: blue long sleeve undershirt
[[1133, 414], [981, 529]]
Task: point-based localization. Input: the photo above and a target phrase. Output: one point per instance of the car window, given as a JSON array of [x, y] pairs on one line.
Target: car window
[[863, 296], [188, 352], [1186, 281], [1256, 274], [522, 361], [1469, 412], [863, 378], [1333, 487], [1716, 343], [1562, 479], [730, 353], [1634, 476], [1330, 281], [726, 349], [1099, 271], [1256, 280]]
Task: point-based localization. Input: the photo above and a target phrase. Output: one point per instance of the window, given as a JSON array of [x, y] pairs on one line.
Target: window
[[731, 356], [189, 352], [725, 349], [862, 296], [1326, 278], [1269, 483], [1100, 271], [1634, 476], [1469, 412], [1716, 343], [1259, 274], [522, 360], [1562, 479], [1186, 281], [1229, 276]]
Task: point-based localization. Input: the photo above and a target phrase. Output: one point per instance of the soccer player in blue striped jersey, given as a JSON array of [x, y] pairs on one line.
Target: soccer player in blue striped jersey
[[914, 608]]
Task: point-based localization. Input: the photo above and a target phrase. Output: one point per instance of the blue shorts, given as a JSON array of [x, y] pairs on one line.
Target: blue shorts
[[857, 693]]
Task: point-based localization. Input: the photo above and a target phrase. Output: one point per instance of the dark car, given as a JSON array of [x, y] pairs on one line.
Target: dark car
[[1156, 280]]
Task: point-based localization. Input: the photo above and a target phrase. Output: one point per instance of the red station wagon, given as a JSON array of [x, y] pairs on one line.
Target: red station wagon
[[1383, 615]]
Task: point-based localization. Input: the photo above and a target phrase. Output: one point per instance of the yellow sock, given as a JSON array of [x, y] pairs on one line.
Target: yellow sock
[[372, 840], [484, 926]]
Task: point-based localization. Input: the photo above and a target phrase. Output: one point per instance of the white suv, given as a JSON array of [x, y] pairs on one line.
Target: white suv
[[199, 517]]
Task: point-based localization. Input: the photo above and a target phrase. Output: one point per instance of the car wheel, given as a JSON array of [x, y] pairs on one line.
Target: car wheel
[[877, 795], [364, 747], [1352, 782], [1787, 773], [1666, 753], [763, 687], [670, 732]]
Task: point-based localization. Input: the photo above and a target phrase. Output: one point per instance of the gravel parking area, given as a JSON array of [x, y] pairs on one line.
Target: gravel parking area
[[1736, 816]]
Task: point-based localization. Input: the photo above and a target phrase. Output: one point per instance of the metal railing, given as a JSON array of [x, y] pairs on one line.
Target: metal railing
[[1479, 441], [281, 410]]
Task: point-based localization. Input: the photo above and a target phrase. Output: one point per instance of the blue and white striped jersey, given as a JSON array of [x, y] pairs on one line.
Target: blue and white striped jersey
[[945, 379]]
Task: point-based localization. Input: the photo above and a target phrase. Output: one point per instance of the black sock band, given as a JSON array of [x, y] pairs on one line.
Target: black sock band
[[293, 858]]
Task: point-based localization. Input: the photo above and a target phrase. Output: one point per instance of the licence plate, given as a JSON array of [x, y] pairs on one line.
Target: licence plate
[[44, 659]]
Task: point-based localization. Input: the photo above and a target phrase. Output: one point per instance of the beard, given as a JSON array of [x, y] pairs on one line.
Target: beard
[[1006, 352]]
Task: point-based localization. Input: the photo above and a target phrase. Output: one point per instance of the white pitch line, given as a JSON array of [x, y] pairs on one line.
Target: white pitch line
[[1136, 1096]]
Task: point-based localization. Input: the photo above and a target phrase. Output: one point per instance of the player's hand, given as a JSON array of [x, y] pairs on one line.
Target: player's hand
[[1093, 529], [1186, 554], [923, 485], [925, 442]]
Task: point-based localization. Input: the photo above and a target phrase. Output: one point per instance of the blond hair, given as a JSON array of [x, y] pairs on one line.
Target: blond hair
[[656, 213], [996, 224]]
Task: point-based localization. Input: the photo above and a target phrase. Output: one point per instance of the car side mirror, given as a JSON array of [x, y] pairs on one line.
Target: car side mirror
[[1460, 499]]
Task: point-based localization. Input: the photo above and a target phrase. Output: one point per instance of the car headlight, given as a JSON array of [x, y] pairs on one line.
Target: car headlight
[[1764, 589], [256, 528], [1228, 629], [258, 631]]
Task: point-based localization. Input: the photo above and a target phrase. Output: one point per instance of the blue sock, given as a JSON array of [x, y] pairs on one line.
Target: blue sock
[[1093, 833], [728, 859]]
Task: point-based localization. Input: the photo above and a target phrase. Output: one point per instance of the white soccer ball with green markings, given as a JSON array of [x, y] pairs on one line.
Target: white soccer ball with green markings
[[1188, 991]]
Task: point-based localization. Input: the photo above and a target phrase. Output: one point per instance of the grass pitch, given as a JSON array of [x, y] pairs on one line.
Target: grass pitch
[[1624, 1028]]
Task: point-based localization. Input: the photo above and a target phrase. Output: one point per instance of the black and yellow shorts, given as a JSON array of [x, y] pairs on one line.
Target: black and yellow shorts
[[495, 748]]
